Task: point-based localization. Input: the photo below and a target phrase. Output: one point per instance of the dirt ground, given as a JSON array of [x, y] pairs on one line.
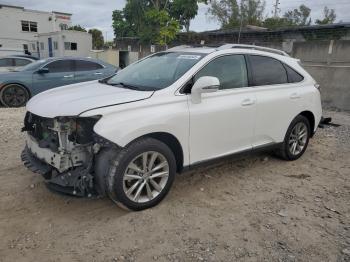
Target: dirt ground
[[254, 209]]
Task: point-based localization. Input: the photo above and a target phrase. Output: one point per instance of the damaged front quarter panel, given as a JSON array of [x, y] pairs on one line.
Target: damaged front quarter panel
[[63, 150]]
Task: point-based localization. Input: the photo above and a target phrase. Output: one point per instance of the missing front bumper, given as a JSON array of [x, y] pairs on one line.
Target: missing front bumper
[[76, 182]]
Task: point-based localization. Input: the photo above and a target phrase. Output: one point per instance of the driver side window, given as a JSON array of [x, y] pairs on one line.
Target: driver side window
[[231, 71]]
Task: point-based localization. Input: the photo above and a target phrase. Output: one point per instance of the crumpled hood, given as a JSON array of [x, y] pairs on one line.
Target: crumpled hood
[[74, 99]]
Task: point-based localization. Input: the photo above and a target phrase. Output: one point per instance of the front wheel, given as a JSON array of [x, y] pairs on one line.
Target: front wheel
[[141, 174], [296, 139], [14, 95]]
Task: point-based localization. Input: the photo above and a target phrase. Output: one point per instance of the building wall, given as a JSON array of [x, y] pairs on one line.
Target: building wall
[[82, 39], [110, 56], [11, 35]]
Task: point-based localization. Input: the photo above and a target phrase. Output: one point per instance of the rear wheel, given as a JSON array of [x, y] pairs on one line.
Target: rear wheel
[[141, 174], [296, 139], [14, 95]]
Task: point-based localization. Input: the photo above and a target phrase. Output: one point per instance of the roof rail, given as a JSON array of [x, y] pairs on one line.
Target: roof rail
[[254, 47]]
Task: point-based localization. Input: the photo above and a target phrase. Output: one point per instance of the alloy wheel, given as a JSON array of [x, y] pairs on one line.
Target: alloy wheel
[[146, 176], [14, 96], [298, 138]]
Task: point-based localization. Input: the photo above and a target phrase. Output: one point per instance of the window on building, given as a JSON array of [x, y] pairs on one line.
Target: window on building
[[55, 45], [33, 47], [70, 46], [267, 71], [63, 26], [33, 26], [81, 65], [42, 46], [29, 26], [231, 71]]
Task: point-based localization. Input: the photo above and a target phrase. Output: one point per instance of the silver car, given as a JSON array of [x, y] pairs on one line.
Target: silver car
[[10, 63]]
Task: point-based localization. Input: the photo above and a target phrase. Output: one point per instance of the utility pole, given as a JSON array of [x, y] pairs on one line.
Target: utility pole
[[276, 8], [241, 22]]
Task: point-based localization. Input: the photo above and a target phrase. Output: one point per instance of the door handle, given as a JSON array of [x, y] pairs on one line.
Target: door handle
[[294, 96], [98, 73], [68, 76], [247, 102]]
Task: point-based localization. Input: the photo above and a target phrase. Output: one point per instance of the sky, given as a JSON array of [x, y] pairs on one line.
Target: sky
[[98, 13]]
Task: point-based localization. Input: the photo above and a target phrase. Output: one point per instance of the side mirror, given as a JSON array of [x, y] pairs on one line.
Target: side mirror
[[205, 84], [43, 70]]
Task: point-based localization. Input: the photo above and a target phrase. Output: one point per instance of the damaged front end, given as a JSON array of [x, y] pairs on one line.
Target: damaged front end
[[63, 150]]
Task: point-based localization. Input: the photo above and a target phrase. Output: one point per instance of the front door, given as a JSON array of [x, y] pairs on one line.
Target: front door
[[60, 73], [223, 123]]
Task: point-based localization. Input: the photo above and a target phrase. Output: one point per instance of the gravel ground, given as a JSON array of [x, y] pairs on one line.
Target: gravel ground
[[254, 209]]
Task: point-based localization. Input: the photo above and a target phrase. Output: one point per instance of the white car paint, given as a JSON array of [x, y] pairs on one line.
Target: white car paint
[[74, 99], [224, 122]]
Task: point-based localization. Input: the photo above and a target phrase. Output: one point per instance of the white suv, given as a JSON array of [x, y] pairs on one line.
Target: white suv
[[128, 135]]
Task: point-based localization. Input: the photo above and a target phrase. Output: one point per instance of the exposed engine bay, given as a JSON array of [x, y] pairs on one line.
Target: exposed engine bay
[[63, 149]]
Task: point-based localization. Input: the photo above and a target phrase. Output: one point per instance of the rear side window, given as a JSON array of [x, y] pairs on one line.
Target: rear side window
[[21, 62], [231, 71], [61, 66], [267, 71], [293, 76], [81, 65], [6, 62]]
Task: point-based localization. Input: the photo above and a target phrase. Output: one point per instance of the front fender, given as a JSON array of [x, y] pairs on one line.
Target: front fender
[[125, 126]]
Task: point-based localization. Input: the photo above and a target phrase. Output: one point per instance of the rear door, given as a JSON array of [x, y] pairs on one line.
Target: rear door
[[277, 98], [223, 123], [61, 72], [88, 70]]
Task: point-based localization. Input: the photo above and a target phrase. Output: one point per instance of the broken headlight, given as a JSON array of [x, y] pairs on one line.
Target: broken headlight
[[82, 129]]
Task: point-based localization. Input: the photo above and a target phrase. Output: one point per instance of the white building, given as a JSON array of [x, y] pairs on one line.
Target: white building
[[64, 43], [40, 33]]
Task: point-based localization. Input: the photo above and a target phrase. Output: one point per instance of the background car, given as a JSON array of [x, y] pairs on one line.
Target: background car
[[15, 62], [17, 87]]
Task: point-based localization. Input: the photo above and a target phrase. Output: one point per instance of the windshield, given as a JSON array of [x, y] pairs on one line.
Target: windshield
[[33, 66], [157, 71]]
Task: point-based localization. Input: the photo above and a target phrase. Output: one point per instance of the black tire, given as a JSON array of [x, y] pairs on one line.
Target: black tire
[[14, 95], [285, 151], [120, 163]]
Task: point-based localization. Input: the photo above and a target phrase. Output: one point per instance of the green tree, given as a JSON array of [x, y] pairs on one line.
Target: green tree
[[230, 14], [184, 11], [154, 21], [329, 17], [77, 28], [97, 38], [276, 22], [298, 17]]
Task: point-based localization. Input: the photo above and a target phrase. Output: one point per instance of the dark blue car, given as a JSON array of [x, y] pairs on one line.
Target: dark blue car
[[17, 87]]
